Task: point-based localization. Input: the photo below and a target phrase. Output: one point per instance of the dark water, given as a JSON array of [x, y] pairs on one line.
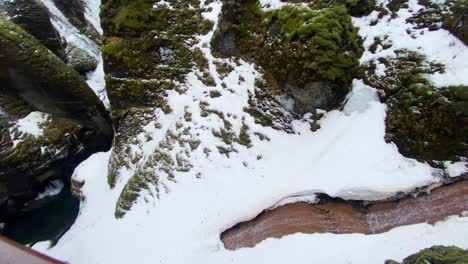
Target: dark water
[[47, 223]]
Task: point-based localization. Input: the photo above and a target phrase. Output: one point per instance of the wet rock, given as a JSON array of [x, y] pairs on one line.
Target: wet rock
[[436, 254], [34, 18], [80, 60], [73, 10]]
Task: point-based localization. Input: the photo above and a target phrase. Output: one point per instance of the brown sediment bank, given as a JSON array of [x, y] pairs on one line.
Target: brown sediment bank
[[345, 217]]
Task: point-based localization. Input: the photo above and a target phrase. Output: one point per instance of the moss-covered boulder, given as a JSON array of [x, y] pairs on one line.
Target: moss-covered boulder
[[50, 120], [34, 18], [312, 54], [436, 255], [79, 59], [42, 80], [425, 122]]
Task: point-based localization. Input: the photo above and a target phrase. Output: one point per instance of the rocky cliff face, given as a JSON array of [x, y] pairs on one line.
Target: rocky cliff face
[[51, 119], [33, 17]]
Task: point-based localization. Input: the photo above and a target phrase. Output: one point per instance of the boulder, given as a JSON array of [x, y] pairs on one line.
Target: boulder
[[315, 95], [80, 60]]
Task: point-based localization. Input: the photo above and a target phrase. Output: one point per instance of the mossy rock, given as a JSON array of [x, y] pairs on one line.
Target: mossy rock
[[425, 122], [457, 20], [29, 162], [80, 60], [356, 8], [298, 47], [34, 18], [436, 255], [42, 80]]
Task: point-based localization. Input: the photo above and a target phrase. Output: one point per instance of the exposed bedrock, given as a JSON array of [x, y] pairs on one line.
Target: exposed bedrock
[[332, 215], [36, 87]]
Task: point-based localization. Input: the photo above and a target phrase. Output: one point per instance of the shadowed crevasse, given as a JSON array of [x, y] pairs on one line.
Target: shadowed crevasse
[[345, 217]]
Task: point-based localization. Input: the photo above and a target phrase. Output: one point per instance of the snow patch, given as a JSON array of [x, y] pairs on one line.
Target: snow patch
[[52, 189], [31, 124], [97, 83], [455, 169], [360, 98]]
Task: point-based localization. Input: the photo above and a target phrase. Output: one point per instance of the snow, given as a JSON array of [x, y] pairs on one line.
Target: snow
[[438, 45], [348, 158], [455, 169], [276, 4], [360, 97], [31, 124], [92, 10], [96, 81], [310, 198], [52, 189], [69, 32]]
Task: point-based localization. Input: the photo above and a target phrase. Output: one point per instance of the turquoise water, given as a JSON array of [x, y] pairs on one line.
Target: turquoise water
[[47, 223]]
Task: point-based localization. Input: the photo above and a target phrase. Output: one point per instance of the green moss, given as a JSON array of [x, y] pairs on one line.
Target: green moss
[[215, 94], [355, 8], [436, 255], [14, 105], [244, 137], [425, 122], [138, 182], [294, 44], [47, 78], [455, 21], [223, 68], [207, 26], [396, 5]]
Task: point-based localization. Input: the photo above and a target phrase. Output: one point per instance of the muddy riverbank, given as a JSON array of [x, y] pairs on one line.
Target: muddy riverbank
[[345, 217]]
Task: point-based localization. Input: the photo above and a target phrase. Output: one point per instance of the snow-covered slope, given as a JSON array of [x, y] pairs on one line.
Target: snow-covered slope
[[181, 218]]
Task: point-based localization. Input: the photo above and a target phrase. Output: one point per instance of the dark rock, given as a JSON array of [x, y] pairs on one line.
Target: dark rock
[[321, 94], [73, 10], [33, 17], [43, 81], [33, 79], [225, 43]]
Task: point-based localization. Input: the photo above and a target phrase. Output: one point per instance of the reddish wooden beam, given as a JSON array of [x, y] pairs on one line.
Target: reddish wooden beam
[[15, 253]]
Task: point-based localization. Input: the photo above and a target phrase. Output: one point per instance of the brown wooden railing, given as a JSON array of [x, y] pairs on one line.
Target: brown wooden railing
[[15, 253]]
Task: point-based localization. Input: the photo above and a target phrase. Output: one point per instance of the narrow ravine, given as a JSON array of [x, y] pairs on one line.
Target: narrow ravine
[[345, 217]]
